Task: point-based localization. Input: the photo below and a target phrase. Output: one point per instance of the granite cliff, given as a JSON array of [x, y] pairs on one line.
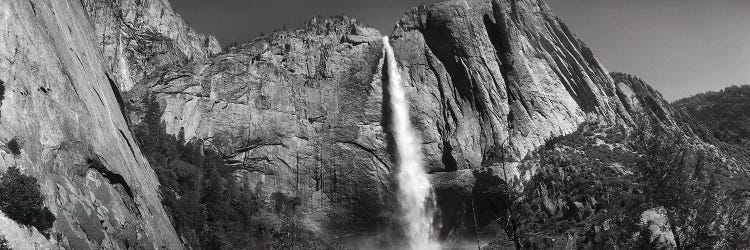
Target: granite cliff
[[63, 109], [300, 111], [138, 36], [530, 142]]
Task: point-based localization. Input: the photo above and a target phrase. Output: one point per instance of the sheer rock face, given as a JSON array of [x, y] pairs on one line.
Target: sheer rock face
[[492, 80], [64, 112], [139, 36], [300, 111]]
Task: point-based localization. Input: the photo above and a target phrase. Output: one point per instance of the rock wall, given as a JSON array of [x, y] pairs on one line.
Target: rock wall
[[64, 110], [300, 111], [641, 100], [139, 36], [492, 80]]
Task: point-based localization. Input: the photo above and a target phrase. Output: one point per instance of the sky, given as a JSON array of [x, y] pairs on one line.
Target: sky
[[680, 47]]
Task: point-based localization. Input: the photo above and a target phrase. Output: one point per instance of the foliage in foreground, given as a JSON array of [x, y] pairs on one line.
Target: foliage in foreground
[[4, 243], [595, 184], [22, 200], [208, 208], [722, 118], [707, 201]]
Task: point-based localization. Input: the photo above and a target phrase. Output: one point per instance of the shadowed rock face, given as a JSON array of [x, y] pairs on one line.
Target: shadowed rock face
[[139, 36], [61, 109], [300, 111]]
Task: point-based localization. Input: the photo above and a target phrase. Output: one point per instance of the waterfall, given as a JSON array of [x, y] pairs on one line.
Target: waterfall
[[414, 188]]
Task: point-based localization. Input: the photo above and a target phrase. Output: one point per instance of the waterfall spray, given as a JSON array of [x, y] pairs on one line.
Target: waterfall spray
[[414, 188]]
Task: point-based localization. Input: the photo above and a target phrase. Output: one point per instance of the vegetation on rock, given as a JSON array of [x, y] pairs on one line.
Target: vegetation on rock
[[726, 112], [593, 186], [209, 209], [722, 118], [14, 147], [22, 200], [4, 243]]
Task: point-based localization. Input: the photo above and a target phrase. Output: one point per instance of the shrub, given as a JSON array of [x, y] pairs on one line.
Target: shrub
[[4, 243], [14, 147], [2, 91], [22, 200], [207, 207]]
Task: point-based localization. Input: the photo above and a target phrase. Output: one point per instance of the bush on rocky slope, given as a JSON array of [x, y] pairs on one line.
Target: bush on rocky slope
[[722, 118], [592, 187], [4, 243], [701, 193], [726, 112], [583, 188], [22, 200], [208, 208]]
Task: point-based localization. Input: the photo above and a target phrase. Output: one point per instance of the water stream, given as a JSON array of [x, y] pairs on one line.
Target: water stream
[[414, 188]]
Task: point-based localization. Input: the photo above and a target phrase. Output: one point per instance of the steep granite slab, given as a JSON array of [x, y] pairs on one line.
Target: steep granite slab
[[66, 114], [139, 36], [493, 80]]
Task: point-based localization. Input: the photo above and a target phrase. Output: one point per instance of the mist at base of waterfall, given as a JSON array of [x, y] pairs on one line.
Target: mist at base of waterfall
[[416, 205]]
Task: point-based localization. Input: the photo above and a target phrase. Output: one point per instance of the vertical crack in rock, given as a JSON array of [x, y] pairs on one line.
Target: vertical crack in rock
[[97, 95], [575, 71], [439, 40], [2, 92], [449, 118], [112, 177], [127, 141], [118, 97], [498, 33]]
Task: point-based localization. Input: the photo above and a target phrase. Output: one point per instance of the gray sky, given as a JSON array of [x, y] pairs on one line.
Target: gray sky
[[681, 47]]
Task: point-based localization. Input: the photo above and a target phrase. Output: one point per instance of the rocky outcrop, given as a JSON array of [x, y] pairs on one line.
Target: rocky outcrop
[[492, 77], [300, 111], [63, 110], [656, 222], [641, 100], [139, 36]]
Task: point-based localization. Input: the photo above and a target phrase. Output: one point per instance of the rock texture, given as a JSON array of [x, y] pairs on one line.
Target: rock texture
[[497, 77], [139, 36], [300, 111], [726, 113], [64, 110], [641, 100]]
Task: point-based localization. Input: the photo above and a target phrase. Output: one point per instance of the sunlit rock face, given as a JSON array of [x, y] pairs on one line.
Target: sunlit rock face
[[300, 111], [495, 78], [139, 36], [297, 111], [490, 82], [641, 100], [63, 110]]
